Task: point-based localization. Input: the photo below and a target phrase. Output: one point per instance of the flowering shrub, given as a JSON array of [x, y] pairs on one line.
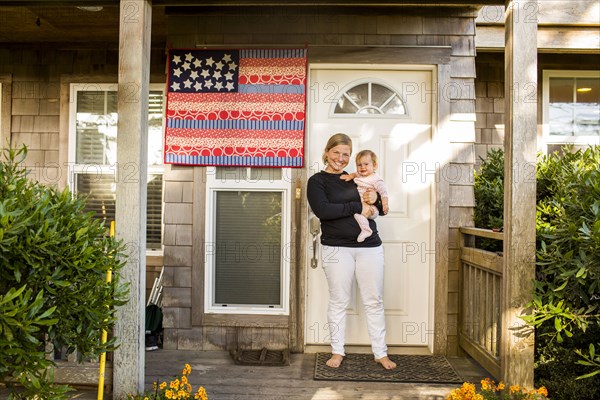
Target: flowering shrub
[[178, 388], [491, 391]]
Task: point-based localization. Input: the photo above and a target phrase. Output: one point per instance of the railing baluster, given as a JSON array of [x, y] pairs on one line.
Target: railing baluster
[[480, 300]]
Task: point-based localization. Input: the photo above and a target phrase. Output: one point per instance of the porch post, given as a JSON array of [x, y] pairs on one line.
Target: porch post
[[131, 179], [516, 351]]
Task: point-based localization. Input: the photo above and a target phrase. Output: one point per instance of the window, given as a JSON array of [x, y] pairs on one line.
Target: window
[[93, 152], [571, 112], [370, 98], [247, 231]]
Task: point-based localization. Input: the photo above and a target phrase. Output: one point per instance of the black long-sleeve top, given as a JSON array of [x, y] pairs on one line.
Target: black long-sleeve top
[[335, 201]]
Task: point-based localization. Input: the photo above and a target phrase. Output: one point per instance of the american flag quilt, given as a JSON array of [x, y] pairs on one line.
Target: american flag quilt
[[243, 107]]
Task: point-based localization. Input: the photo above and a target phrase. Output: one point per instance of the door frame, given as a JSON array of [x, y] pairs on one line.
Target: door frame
[[440, 193]]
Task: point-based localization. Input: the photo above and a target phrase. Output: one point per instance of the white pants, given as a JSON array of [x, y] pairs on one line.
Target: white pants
[[342, 265]]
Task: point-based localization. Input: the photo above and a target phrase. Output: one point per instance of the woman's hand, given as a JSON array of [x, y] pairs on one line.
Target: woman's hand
[[366, 210], [369, 197]]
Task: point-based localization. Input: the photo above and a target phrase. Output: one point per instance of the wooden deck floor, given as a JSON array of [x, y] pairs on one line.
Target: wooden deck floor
[[223, 380]]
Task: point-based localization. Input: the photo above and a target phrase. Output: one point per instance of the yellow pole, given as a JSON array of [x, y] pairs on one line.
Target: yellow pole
[[104, 333]]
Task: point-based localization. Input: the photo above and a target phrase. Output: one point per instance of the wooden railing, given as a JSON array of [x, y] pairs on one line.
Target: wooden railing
[[480, 299]]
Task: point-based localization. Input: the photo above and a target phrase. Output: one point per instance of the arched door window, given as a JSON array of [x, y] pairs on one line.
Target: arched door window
[[370, 98]]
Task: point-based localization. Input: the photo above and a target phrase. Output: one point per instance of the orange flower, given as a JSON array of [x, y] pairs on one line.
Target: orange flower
[[515, 389], [543, 391]]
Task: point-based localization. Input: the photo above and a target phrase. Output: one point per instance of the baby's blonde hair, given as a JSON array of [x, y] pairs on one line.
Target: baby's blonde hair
[[363, 153]]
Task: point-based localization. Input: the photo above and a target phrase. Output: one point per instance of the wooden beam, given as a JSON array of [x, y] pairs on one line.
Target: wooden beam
[[549, 13], [517, 338], [5, 109], [262, 3], [132, 170], [555, 39]]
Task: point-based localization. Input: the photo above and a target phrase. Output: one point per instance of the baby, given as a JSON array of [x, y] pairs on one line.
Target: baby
[[366, 178]]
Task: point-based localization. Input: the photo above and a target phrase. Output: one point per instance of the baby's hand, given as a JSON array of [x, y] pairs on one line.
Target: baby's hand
[[385, 204], [348, 177]]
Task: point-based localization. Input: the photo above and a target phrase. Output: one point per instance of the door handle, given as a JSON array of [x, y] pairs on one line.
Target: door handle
[[315, 229]]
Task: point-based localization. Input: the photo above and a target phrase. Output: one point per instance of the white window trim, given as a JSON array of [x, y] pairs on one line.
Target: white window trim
[[214, 185], [74, 167], [556, 139]]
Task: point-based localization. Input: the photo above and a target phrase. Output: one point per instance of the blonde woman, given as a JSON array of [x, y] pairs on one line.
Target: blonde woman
[[335, 201]]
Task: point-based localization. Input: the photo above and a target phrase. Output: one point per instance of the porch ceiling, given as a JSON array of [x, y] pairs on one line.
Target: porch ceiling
[[68, 24], [68, 21]]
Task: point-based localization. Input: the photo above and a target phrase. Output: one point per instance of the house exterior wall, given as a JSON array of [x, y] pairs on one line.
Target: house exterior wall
[[35, 78], [489, 89], [332, 38]]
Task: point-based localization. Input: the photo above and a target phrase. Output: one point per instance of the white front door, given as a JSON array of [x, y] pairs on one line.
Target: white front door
[[400, 134]]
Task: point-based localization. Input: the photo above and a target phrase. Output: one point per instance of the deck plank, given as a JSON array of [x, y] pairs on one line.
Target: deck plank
[[223, 380]]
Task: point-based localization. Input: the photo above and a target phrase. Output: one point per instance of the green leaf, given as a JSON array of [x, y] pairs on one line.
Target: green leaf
[[561, 287], [593, 373]]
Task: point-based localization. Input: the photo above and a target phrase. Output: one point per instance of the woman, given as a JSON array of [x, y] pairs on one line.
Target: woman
[[335, 201]]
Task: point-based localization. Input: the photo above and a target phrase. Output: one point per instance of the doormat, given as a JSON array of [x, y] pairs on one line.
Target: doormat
[[411, 368], [261, 357]]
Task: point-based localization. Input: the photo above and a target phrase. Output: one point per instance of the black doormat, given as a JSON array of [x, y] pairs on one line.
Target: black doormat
[[261, 357], [411, 368]]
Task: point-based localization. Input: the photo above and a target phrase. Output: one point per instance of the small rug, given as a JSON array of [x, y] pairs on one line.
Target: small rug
[[411, 368], [261, 357]]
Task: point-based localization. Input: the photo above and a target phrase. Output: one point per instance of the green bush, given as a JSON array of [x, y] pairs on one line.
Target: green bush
[[489, 197], [53, 264], [567, 287]]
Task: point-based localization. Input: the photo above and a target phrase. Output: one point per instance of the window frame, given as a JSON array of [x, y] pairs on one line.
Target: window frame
[[107, 169], [215, 185], [358, 82], [547, 138]]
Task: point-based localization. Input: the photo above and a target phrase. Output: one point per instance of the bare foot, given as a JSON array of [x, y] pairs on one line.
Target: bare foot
[[386, 362], [335, 361]]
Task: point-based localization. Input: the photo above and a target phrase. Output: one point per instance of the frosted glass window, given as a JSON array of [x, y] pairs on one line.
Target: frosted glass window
[[370, 98]]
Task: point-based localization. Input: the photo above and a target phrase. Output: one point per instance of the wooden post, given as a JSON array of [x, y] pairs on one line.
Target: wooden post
[[516, 352], [131, 179]]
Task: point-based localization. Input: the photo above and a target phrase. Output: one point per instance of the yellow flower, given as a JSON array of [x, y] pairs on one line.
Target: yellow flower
[[170, 394], [187, 369], [515, 389], [543, 391], [184, 380], [201, 394], [487, 384], [146, 398], [174, 384], [163, 385], [501, 386]]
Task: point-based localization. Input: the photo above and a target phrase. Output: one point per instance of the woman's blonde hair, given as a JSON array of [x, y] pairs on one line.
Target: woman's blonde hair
[[336, 140], [363, 153]]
